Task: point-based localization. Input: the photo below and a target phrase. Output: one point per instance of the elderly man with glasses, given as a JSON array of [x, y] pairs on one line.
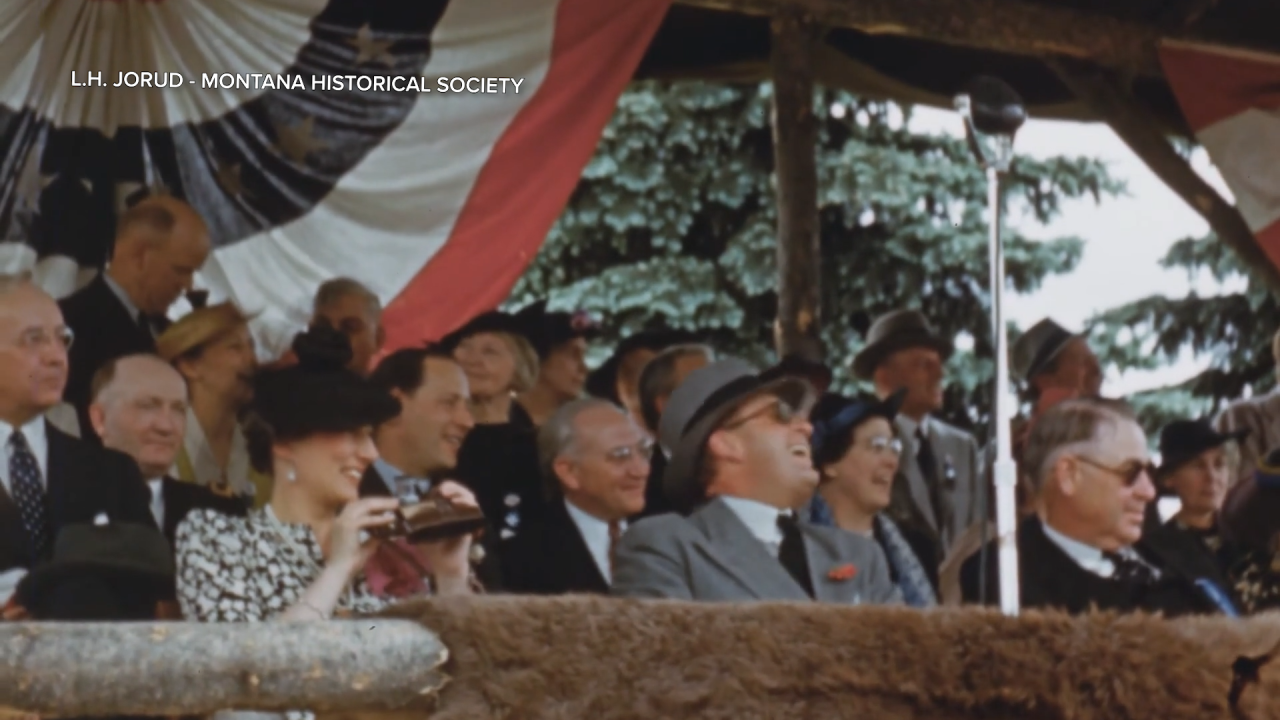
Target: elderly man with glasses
[[740, 463], [1087, 466]]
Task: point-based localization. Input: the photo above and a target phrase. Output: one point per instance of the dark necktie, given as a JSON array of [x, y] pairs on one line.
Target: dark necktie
[[28, 492], [928, 463], [791, 552], [1129, 570]]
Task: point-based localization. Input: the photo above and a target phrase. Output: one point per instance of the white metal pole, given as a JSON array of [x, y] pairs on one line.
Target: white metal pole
[[1005, 472]]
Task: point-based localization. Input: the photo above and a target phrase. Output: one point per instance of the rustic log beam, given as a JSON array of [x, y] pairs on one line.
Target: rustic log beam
[[1018, 28], [1135, 125], [80, 669], [795, 149]]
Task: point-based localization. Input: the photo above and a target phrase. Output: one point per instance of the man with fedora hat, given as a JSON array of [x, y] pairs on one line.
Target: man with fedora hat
[[1048, 356], [938, 491], [740, 464]]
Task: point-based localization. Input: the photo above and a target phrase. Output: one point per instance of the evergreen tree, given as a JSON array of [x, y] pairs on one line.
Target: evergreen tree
[[674, 225], [1232, 330]]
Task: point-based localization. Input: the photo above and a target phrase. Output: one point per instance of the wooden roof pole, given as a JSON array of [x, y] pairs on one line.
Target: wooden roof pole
[[795, 137], [1135, 125]]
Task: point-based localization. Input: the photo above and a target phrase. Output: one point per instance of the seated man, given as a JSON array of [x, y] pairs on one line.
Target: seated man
[[139, 407], [595, 461], [1088, 471], [740, 464]]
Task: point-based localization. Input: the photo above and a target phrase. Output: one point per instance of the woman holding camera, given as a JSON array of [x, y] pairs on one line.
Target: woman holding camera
[[300, 557]]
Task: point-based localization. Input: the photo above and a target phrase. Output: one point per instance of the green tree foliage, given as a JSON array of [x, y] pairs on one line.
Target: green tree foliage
[[673, 224], [1233, 331]]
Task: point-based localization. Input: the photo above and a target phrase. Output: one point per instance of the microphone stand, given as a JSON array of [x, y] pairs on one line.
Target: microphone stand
[[996, 161]]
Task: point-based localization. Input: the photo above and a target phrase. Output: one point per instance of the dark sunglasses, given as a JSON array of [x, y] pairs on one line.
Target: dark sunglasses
[[1129, 472], [782, 412]]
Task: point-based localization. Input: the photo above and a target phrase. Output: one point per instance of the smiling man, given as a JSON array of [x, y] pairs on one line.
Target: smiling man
[[595, 463], [739, 465], [139, 407], [1089, 471]]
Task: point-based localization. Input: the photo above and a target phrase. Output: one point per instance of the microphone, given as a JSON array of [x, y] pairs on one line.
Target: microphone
[[996, 108]]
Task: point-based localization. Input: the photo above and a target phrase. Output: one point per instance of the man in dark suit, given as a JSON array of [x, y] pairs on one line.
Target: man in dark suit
[[139, 407], [160, 244], [595, 461], [48, 479], [1088, 469]]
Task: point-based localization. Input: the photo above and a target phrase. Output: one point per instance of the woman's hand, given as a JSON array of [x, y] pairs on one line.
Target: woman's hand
[[349, 547], [449, 559]]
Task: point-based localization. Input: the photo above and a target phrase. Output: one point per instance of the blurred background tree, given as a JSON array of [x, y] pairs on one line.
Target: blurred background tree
[[1233, 331], [673, 225]]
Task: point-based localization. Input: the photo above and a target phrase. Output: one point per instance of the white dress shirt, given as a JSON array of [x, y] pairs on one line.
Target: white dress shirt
[[157, 499], [595, 533], [760, 519], [1089, 557], [37, 440], [400, 483]]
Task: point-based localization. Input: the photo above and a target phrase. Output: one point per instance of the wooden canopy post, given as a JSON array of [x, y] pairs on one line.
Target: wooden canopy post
[[795, 138], [1139, 130]]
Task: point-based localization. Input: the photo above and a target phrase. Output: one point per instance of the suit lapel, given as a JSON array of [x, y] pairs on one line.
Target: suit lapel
[[915, 488], [824, 557], [61, 467], [571, 552], [733, 548]]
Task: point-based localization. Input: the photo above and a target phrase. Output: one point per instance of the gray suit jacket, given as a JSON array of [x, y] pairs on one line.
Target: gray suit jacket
[[960, 470], [712, 556]]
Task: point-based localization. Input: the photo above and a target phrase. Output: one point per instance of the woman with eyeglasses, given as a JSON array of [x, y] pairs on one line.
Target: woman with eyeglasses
[[856, 454]]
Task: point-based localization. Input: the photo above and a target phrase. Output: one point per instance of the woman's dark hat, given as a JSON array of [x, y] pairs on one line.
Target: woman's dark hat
[[603, 381], [547, 330], [133, 557], [1181, 441], [493, 321], [838, 416], [700, 405], [319, 394], [894, 331]]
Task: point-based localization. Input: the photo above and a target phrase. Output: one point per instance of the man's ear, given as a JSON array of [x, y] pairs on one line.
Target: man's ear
[[566, 473], [724, 445], [1065, 476], [98, 418]]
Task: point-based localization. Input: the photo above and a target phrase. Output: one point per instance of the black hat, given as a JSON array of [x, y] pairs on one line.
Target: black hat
[[1037, 347], [319, 394], [836, 415], [603, 381], [493, 321], [1182, 440], [547, 330], [894, 331], [796, 365], [125, 561]]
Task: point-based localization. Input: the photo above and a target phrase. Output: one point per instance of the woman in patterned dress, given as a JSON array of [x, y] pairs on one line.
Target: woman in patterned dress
[[300, 556]]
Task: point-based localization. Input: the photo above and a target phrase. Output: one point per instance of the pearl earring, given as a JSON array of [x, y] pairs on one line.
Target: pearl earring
[[290, 475]]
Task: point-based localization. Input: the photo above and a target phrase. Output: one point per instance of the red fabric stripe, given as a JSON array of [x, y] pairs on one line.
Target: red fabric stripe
[[1269, 238], [532, 170], [1213, 85]]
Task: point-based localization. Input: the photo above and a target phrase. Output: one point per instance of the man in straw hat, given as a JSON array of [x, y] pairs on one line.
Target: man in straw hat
[[740, 464], [937, 493]]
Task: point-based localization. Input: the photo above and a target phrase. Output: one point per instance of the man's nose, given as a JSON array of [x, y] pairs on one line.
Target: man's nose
[[1144, 487]]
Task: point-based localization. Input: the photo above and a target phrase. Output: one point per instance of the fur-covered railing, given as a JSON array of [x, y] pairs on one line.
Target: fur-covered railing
[[603, 659]]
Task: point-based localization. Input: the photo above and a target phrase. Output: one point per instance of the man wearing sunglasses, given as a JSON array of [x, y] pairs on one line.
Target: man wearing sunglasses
[[1088, 470], [740, 463]]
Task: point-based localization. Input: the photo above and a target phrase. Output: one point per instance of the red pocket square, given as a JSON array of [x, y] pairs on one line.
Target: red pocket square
[[841, 573]]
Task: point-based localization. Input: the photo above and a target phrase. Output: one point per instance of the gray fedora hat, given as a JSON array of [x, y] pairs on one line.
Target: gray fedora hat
[[1037, 347], [700, 405], [894, 331]]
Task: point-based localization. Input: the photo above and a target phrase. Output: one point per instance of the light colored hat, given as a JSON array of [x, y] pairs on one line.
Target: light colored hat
[[198, 328]]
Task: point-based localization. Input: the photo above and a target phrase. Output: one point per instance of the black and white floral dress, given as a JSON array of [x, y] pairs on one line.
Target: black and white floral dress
[[251, 569]]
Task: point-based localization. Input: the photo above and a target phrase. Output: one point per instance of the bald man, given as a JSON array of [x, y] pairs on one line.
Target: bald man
[[139, 407], [160, 244], [48, 479]]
